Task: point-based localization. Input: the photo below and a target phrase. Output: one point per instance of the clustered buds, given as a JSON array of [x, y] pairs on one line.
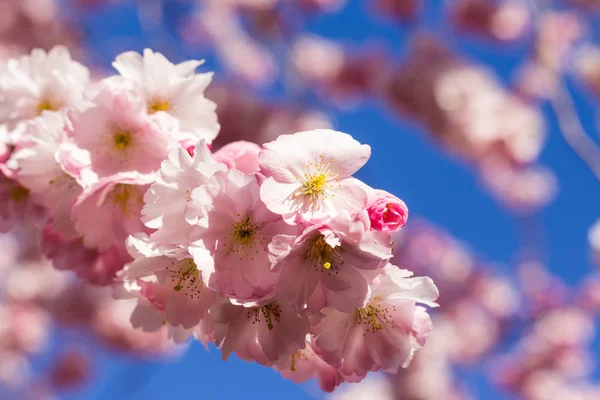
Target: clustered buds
[[275, 253]]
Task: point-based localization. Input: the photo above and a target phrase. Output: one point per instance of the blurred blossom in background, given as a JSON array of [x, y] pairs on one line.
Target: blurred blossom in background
[[482, 116]]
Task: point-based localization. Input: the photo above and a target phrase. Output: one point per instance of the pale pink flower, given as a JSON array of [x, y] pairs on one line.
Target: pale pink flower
[[35, 161], [241, 155], [166, 200], [174, 89], [237, 229], [119, 135], [385, 333], [40, 81], [263, 334], [305, 364], [387, 212], [331, 257], [170, 283], [110, 210], [309, 174]]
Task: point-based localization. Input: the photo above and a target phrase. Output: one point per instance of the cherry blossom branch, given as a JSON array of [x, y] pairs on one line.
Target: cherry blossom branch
[[568, 119]]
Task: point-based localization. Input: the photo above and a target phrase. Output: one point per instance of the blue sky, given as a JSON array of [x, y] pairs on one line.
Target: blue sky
[[435, 186]]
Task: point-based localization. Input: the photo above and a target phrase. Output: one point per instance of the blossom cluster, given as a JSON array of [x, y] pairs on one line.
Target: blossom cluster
[[276, 253]]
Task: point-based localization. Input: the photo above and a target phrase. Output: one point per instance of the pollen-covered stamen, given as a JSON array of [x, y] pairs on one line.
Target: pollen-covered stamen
[[47, 105], [244, 239], [299, 355], [374, 316], [125, 196], [323, 255], [186, 278], [158, 105], [18, 194], [122, 140], [269, 314], [317, 180]]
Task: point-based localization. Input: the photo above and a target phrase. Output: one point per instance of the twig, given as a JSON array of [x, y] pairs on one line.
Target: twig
[[567, 117]]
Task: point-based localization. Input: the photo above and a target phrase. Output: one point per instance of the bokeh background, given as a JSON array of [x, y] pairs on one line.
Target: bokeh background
[[482, 117]]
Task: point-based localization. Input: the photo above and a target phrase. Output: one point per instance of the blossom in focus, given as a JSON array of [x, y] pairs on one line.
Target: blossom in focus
[[308, 177], [387, 212], [261, 333], [169, 289], [383, 334], [237, 229], [118, 134], [330, 259], [165, 202]]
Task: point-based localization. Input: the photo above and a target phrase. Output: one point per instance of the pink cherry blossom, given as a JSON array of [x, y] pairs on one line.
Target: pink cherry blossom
[[237, 229], [263, 333], [165, 202], [385, 333], [387, 212], [118, 134], [40, 81], [171, 89], [108, 212], [308, 176], [241, 155], [333, 258], [170, 283], [305, 364], [35, 161]]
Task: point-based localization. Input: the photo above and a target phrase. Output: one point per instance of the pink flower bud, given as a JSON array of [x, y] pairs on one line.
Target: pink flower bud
[[240, 155], [387, 213]]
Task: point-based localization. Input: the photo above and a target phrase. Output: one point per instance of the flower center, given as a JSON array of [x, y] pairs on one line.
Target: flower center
[[299, 355], [373, 316], [268, 314], [46, 105], [323, 255], [123, 194], [185, 276], [18, 193], [244, 232], [122, 140], [314, 185], [316, 182], [157, 105], [244, 239]]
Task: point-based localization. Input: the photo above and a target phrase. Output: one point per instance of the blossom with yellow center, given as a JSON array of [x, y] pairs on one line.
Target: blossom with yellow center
[[373, 316], [323, 255], [122, 140], [244, 239], [268, 314]]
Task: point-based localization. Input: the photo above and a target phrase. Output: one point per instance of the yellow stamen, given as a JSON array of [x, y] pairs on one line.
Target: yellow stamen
[[45, 105], [192, 270], [18, 194], [122, 140], [314, 186], [157, 105], [323, 254]]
